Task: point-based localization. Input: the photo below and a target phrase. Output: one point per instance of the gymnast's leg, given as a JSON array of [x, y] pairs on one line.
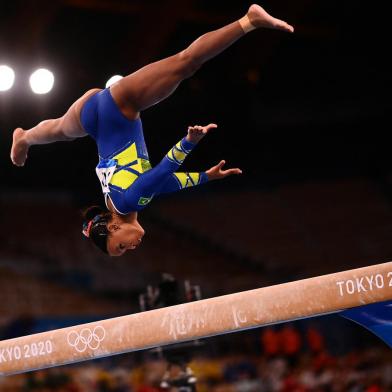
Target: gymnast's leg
[[64, 128], [158, 80]]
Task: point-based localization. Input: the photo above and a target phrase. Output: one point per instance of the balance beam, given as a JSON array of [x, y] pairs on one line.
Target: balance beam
[[215, 316]]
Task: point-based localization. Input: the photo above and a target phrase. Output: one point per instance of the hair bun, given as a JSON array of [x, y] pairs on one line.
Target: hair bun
[[91, 212]]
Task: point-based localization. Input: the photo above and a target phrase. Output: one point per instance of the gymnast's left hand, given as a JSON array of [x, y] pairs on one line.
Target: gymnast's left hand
[[197, 132], [217, 172]]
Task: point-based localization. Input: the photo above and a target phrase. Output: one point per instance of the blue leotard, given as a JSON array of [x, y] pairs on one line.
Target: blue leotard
[[124, 168]]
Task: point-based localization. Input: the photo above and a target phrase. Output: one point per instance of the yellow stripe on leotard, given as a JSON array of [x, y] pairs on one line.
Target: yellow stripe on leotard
[[127, 156], [177, 153], [124, 178], [146, 165], [187, 179]]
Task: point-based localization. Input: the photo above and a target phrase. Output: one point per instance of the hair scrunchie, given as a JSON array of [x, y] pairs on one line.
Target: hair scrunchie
[[88, 225]]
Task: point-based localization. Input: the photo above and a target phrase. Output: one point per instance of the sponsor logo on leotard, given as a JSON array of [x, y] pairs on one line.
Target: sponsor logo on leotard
[[105, 171]]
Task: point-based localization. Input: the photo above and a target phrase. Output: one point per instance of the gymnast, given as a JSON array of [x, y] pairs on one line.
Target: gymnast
[[112, 118]]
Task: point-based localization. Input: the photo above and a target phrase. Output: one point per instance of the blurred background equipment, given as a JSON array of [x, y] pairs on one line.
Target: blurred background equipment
[[178, 373]]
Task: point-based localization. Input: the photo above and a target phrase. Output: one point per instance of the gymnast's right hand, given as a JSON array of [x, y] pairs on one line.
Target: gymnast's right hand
[[19, 147], [197, 132], [217, 172]]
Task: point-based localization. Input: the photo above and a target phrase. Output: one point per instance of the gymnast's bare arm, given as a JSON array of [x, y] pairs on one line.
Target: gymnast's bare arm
[[64, 128]]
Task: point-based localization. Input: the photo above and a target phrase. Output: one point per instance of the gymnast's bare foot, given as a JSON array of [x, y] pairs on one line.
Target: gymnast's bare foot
[[260, 18], [19, 147]]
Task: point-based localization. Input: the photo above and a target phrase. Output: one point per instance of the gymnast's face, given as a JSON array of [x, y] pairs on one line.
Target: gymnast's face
[[124, 236]]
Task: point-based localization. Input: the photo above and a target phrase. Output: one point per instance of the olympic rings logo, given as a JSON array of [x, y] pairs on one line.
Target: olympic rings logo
[[86, 338]]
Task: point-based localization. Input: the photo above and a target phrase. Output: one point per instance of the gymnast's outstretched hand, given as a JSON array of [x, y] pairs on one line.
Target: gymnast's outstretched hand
[[217, 172], [197, 132]]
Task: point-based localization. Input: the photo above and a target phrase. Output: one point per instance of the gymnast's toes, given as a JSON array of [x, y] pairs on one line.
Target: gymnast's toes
[[19, 148], [261, 18]]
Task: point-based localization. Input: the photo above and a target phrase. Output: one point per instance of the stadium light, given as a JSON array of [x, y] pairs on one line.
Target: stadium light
[[41, 81], [7, 77], [113, 80]]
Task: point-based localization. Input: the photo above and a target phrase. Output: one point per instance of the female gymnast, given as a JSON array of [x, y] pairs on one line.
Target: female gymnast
[[112, 118]]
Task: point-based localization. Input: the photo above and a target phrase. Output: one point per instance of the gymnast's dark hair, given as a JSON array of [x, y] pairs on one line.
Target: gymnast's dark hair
[[95, 221]]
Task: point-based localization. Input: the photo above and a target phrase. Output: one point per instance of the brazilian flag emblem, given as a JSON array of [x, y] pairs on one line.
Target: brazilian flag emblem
[[144, 200]]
